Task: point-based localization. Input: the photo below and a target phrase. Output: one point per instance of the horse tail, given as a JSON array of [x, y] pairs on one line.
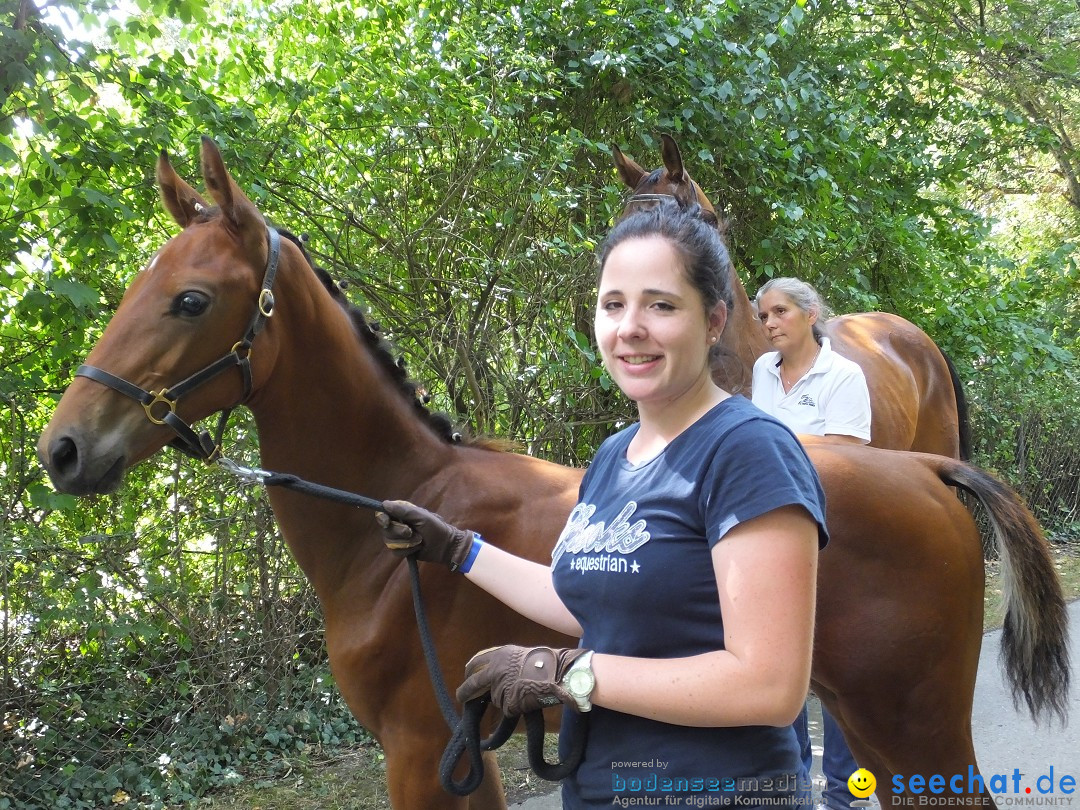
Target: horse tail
[[1034, 641], [963, 418]]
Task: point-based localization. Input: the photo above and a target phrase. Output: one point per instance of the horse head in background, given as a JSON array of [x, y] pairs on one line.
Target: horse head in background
[[670, 180], [744, 339], [916, 398]]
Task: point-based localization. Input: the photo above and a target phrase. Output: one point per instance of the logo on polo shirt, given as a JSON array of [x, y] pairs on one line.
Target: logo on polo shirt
[[806, 399]]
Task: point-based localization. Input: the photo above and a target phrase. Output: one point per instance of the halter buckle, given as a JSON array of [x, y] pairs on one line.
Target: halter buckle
[[266, 302], [242, 349], [159, 397]]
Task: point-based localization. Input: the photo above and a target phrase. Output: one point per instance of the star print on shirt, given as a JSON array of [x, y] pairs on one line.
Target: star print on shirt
[[634, 567]]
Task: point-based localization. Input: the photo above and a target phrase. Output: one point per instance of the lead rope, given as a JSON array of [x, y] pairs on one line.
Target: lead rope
[[465, 737]]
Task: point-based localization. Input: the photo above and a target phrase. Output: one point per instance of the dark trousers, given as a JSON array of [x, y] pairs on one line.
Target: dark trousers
[[837, 763]]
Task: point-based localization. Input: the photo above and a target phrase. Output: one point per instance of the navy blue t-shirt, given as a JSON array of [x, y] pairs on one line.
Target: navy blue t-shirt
[[634, 566]]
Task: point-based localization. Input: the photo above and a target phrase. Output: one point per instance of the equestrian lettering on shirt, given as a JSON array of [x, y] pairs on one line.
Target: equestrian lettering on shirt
[[621, 536], [806, 399]]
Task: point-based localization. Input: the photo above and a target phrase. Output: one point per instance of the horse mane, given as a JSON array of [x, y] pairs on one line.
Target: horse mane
[[384, 352]]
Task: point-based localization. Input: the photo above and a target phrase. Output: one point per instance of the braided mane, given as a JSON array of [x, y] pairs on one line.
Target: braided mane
[[380, 347]]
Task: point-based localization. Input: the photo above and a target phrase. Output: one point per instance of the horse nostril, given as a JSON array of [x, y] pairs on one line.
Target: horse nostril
[[64, 455]]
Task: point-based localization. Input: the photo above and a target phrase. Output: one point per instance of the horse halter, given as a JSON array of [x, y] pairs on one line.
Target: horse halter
[[160, 406], [643, 201]]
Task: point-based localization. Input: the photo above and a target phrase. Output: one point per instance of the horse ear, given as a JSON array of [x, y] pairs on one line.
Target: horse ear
[[241, 215], [180, 200], [672, 159], [630, 172]]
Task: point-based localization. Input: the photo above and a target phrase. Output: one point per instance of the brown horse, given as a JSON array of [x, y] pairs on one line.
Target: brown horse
[[917, 402], [901, 588]]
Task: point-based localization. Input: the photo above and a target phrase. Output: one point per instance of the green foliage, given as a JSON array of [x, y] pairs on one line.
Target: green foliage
[[1032, 445], [153, 741], [450, 161], [155, 661]]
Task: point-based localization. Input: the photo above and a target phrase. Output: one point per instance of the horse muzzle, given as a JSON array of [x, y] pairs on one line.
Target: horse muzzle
[[78, 466]]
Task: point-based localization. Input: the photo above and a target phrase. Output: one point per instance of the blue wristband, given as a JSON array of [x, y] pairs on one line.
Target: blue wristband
[[477, 544]]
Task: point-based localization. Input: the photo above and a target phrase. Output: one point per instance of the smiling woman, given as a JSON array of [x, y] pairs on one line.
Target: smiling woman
[[649, 326], [685, 573]]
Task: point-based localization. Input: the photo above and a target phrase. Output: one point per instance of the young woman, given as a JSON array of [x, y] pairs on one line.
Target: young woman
[[687, 568], [812, 390]]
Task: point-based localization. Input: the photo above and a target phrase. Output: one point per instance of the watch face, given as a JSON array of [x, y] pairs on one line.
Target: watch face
[[581, 682]]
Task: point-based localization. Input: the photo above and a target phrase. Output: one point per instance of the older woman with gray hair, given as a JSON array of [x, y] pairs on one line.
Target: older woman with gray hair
[[813, 390], [804, 384]]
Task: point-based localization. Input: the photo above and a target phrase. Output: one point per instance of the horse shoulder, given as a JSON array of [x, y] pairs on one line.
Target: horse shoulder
[[517, 502]]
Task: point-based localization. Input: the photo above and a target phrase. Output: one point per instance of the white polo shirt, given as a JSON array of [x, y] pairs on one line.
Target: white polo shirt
[[832, 396]]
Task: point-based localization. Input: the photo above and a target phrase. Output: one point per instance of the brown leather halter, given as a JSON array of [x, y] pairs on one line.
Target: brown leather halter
[[160, 406]]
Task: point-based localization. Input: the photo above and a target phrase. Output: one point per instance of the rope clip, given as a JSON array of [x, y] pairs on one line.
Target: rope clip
[[249, 475]]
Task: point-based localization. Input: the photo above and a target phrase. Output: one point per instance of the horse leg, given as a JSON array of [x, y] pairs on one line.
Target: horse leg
[[490, 795], [882, 775], [925, 732], [868, 759], [905, 704], [886, 794], [412, 772], [865, 756], [412, 777]]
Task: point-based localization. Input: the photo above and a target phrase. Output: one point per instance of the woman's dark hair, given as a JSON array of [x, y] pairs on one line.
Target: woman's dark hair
[[698, 243]]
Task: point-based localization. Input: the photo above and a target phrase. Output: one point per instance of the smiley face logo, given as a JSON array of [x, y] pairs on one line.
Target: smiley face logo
[[861, 783]]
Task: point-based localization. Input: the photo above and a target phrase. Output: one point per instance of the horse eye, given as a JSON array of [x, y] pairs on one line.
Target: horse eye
[[190, 303]]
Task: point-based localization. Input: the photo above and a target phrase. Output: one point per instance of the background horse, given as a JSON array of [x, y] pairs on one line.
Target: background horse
[[898, 645], [917, 402]]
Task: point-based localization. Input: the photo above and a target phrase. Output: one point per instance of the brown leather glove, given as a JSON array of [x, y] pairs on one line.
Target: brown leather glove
[[407, 529], [520, 679]]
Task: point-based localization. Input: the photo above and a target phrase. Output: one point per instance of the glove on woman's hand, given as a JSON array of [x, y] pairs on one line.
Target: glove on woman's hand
[[407, 529], [520, 679]]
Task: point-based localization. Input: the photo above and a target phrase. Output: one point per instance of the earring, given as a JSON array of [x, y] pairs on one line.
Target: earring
[[712, 339]]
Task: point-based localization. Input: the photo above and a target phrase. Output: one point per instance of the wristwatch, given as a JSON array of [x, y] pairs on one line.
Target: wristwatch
[[580, 681]]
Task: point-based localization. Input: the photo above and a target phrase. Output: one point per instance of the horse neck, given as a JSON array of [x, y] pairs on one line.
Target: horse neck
[[330, 413], [742, 343]]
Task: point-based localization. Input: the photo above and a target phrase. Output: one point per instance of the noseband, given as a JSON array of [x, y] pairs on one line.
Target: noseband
[[160, 406]]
